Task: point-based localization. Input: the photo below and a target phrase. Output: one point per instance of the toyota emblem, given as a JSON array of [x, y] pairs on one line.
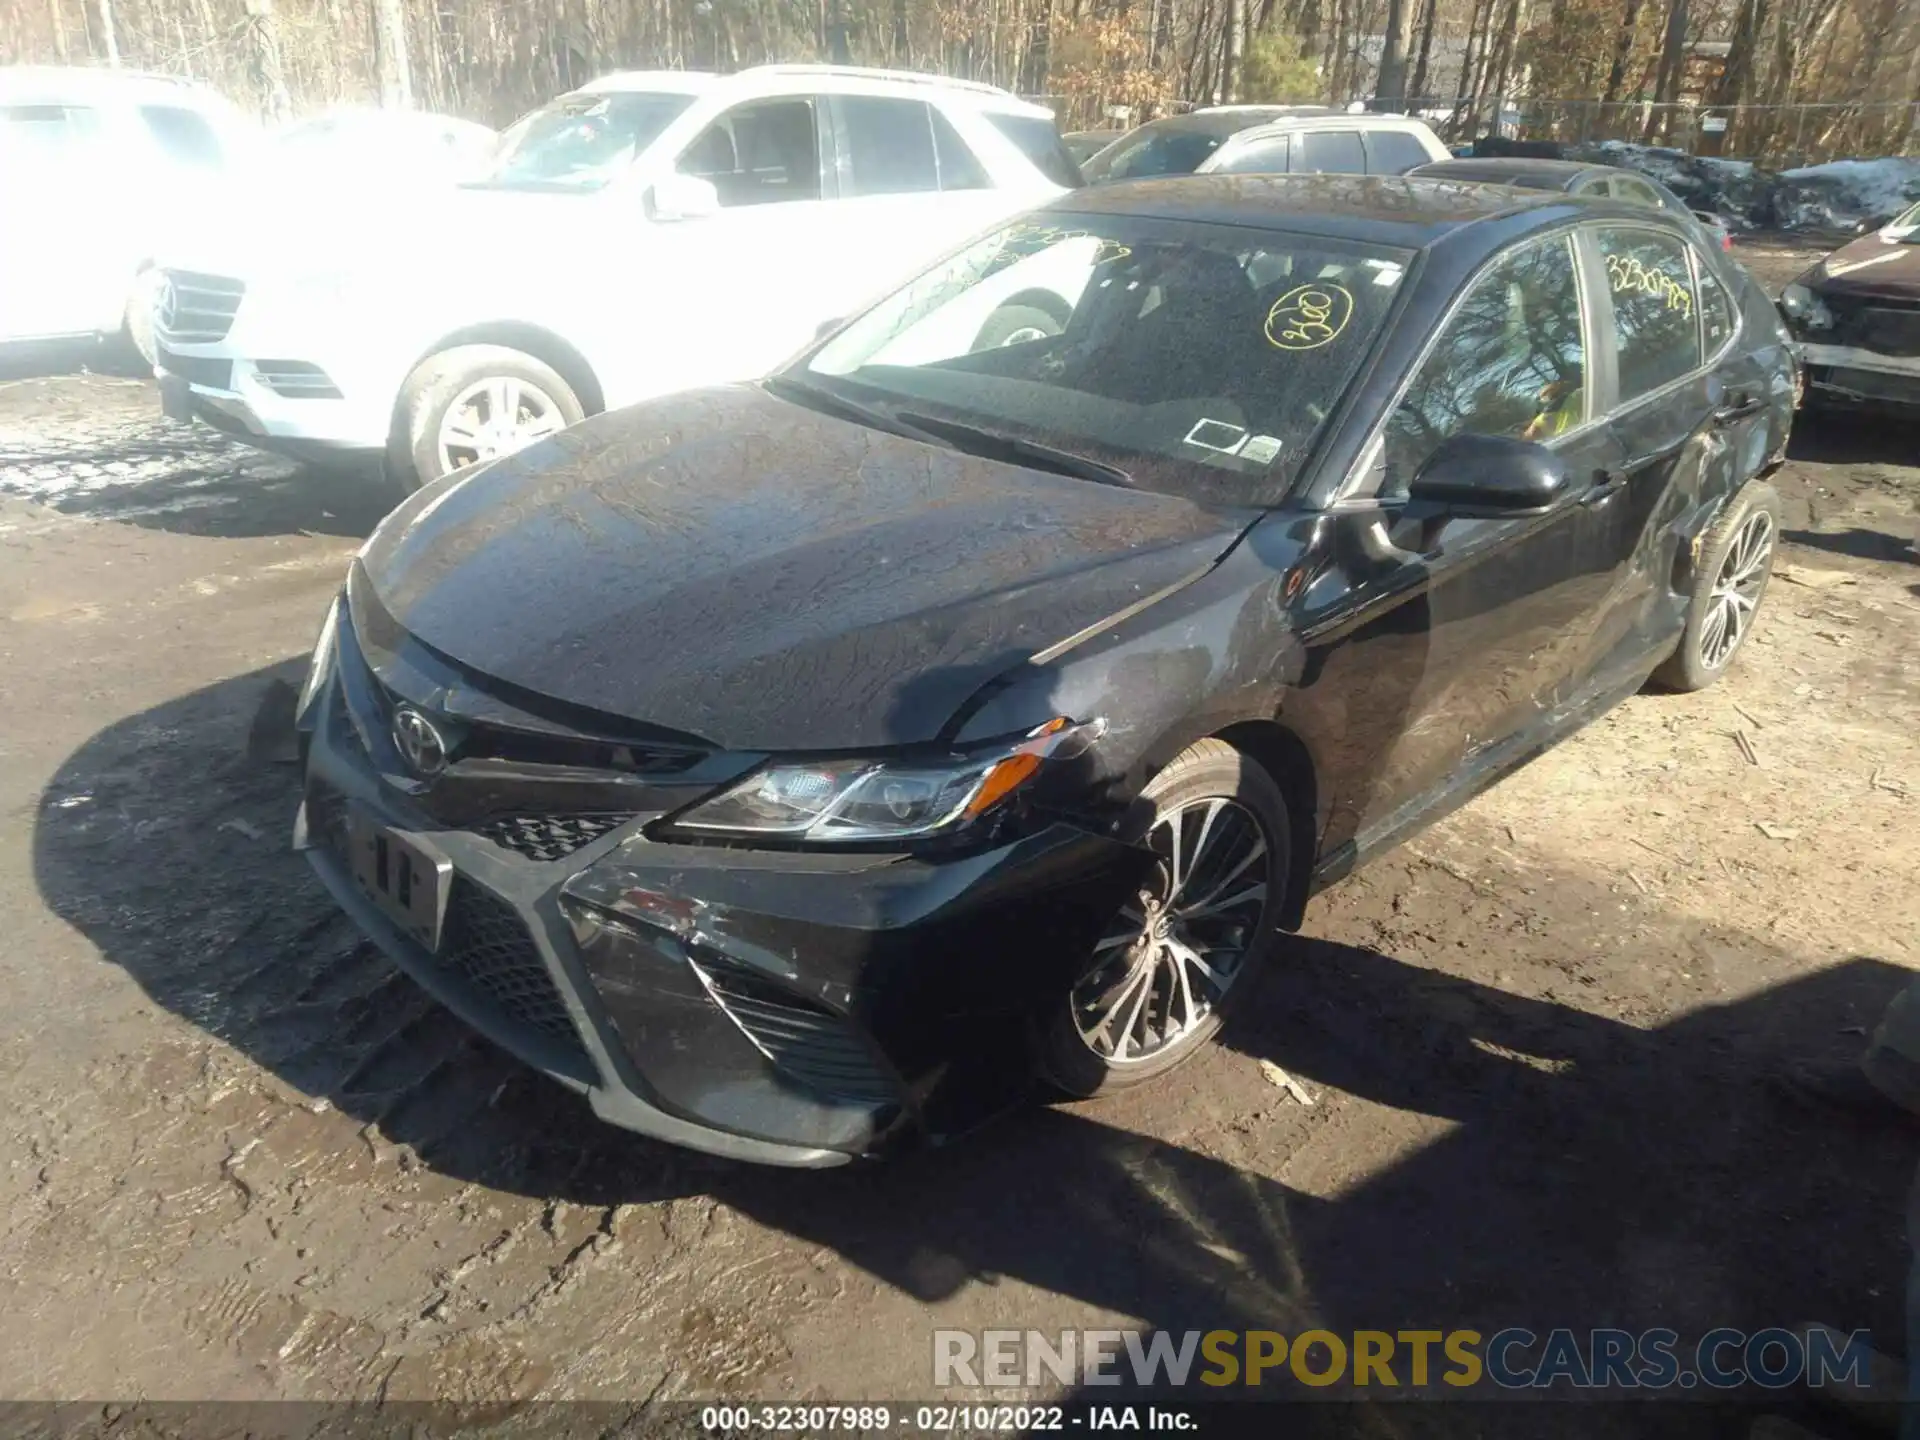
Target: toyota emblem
[[419, 742]]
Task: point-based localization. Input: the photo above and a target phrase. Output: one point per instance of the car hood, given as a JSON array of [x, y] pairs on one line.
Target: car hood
[[748, 571], [1871, 268]]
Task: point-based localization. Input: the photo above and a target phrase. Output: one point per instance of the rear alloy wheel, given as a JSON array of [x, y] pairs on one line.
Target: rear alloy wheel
[[479, 402], [1170, 963], [1736, 560]]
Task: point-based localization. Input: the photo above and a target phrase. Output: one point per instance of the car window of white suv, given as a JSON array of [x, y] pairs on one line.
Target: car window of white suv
[[889, 145], [1394, 152], [183, 135], [42, 129], [1261, 157], [761, 153], [1329, 152]]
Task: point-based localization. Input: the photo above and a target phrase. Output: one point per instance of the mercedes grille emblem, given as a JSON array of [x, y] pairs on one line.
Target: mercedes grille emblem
[[169, 304], [419, 742]]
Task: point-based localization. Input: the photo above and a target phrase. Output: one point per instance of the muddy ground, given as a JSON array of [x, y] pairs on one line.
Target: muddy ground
[[245, 1159]]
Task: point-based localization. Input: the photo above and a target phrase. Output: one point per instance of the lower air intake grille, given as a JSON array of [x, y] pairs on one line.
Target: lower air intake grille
[[549, 837], [487, 944], [809, 1042], [327, 820]]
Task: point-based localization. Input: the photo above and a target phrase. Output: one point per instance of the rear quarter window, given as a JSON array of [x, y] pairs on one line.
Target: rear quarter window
[[1394, 152], [184, 136], [1039, 140]]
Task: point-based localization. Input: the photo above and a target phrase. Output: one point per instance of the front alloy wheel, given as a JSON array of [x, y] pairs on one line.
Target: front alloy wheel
[[1188, 945], [495, 416]]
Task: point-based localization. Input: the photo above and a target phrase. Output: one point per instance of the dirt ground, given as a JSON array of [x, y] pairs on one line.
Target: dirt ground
[[245, 1159]]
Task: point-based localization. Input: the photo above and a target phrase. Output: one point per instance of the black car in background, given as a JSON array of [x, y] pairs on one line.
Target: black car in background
[[1573, 177], [797, 768]]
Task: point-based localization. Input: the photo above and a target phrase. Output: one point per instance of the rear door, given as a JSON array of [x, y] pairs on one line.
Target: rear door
[[1664, 318]]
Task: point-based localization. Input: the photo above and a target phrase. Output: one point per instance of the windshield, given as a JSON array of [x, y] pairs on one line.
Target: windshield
[[1201, 360], [580, 141], [1905, 226]]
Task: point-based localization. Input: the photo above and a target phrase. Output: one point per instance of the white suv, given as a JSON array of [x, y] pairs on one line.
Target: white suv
[[645, 234], [97, 169]]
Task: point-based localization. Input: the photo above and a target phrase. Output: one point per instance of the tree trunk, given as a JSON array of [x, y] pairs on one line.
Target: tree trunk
[[1390, 91], [107, 36], [59, 30], [1236, 49], [1673, 65], [1622, 52], [1418, 89], [899, 55], [390, 52], [271, 76]]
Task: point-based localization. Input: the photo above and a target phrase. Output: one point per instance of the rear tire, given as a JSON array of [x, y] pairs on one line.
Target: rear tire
[[1736, 561], [447, 418], [1220, 824]]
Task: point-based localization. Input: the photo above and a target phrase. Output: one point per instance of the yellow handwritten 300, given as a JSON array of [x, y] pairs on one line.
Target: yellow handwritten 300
[[1309, 316]]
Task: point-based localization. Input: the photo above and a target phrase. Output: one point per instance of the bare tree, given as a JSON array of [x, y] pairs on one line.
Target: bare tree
[[390, 52]]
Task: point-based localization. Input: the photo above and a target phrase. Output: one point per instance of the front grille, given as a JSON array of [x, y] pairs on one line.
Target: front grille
[[810, 1043], [199, 369], [547, 838], [199, 308], [296, 379], [488, 945]]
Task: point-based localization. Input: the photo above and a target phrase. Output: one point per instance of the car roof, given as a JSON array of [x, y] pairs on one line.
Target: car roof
[[1382, 209], [55, 84], [1224, 120], [1529, 173], [855, 79]]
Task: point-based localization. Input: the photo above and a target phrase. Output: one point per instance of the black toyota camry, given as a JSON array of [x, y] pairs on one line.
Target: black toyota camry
[[800, 769]]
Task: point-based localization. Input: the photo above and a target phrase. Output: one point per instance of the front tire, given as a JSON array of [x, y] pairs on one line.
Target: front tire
[[475, 403], [137, 326], [1736, 561], [1175, 960]]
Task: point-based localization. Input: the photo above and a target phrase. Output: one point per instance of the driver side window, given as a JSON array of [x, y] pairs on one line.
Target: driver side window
[[759, 154], [1511, 361]]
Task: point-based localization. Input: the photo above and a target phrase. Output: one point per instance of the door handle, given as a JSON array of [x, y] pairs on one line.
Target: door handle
[[1606, 485], [1739, 409]]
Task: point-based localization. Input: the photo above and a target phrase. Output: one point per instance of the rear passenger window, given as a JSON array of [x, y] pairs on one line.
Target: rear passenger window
[[1511, 361], [960, 168], [1394, 152], [889, 145], [1333, 152], [1717, 319], [1263, 157], [1656, 327]]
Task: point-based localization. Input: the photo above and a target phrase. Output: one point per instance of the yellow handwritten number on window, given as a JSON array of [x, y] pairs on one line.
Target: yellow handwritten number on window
[[1309, 316]]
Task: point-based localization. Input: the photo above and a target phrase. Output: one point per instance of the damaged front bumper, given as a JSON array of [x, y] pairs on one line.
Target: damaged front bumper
[[1848, 373], [786, 1008]]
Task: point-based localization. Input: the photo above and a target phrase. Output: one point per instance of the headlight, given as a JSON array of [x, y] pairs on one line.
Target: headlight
[[1803, 305], [320, 664], [832, 801]]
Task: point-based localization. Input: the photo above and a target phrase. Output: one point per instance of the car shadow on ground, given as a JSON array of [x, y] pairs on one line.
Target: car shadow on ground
[[1575, 1171], [1853, 437]]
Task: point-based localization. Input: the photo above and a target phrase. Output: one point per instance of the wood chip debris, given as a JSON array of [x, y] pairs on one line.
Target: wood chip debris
[[1889, 783], [1748, 716], [1281, 1080], [1746, 747], [1775, 832], [1813, 579]]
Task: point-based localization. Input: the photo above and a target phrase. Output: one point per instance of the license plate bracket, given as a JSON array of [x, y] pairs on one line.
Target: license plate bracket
[[404, 876]]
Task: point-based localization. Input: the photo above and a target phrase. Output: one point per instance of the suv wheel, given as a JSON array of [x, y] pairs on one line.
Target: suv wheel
[[479, 402]]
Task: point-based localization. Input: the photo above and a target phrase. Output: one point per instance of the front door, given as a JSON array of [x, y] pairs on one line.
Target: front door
[[1491, 609], [729, 295]]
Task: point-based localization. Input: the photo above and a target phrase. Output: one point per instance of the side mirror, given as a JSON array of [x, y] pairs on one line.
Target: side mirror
[[682, 197], [1489, 476]]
